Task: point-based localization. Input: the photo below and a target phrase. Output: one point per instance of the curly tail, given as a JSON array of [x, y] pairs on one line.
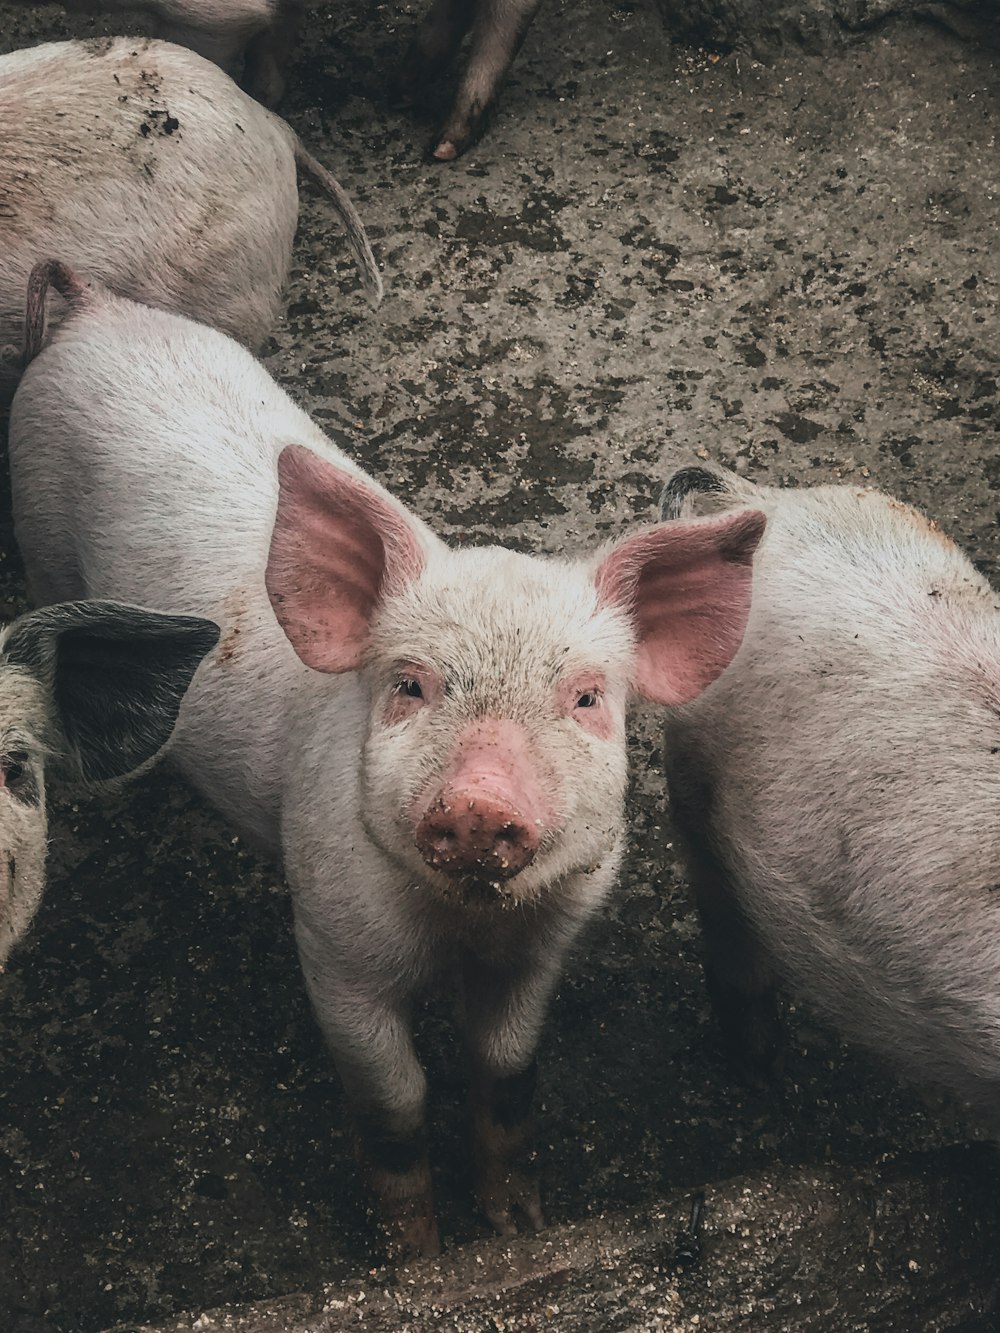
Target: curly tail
[[47, 273], [685, 482], [370, 277]]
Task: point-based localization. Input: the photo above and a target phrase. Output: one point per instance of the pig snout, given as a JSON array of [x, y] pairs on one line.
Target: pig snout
[[465, 832], [485, 820]]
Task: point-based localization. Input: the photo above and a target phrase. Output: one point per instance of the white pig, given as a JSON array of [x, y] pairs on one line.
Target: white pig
[[838, 788], [148, 169], [90, 690], [432, 739], [252, 37]]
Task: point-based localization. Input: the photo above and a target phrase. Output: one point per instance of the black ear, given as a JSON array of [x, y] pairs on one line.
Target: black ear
[[116, 676]]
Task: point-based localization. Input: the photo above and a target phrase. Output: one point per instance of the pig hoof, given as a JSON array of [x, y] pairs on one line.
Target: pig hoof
[[518, 1200], [409, 1240], [445, 152]]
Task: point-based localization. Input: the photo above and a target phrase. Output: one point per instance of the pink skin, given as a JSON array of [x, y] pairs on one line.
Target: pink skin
[[403, 703], [582, 697], [337, 547], [689, 588], [487, 814]]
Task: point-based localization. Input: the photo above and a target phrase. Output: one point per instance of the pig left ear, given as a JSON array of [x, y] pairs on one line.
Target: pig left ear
[[687, 589]]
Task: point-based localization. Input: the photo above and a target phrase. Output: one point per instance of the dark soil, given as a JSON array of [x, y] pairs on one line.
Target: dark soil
[[656, 252]]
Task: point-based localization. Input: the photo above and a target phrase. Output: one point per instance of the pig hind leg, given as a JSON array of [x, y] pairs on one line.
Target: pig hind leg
[[497, 34]]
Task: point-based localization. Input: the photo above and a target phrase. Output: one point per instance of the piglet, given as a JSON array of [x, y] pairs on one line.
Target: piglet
[[148, 169], [497, 29], [90, 690], [252, 37], [432, 739], [837, 789]]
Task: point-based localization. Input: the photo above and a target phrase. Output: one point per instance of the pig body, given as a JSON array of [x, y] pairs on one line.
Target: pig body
[[496, 29], [248, 37], [149, 170], [432, 739], [90, 690], [837, 789]]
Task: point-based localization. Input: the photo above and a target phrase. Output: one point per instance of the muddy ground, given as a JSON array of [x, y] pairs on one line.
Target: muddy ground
[[656, 252]]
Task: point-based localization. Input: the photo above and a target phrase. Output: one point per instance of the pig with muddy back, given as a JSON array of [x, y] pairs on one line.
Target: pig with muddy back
[[145, 167], [837, 789], [432, 739]]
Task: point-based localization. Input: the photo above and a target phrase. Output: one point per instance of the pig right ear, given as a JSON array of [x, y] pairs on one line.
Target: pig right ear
[[686, 587], [338, 546]]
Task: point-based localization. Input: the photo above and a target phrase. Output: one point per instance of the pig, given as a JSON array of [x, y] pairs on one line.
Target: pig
[[254, 36], [498, 28], [836, 789], [91, 691], [431, 739], [149, 170]]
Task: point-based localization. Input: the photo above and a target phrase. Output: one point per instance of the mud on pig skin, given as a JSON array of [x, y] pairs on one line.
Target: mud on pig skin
[[837, 788], [432, 739], [134, 160], [89, 691]]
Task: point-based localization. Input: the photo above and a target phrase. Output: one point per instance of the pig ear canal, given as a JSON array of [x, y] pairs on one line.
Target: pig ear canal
[[687, 588], [337, 548]]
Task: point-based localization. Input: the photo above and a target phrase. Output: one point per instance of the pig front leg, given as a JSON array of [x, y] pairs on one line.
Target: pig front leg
[[738, 977], [434, 47], [739, 982], [503, 1014], [368, 1032], [738, 973], [497, 33]]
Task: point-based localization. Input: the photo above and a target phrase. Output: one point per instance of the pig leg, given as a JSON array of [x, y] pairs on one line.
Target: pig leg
[[434, 47], [369, 1035], [497, 35], [503, 1013], [738, 973], [268, 55], [739, 980]]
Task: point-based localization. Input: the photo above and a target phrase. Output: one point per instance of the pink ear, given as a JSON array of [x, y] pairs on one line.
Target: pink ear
[[337, 546], [687, 587]]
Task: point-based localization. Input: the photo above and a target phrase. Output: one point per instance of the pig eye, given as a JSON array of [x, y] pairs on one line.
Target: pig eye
[[589, 699], [409, 688], [13, 767]]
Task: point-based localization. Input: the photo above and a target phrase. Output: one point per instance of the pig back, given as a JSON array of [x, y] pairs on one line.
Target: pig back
[[142, 165], [845, 773], [143, 452]]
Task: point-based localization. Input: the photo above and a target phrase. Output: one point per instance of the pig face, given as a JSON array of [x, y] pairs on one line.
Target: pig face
[[495, 759], [23, 825], [494, 766], [88, 688]]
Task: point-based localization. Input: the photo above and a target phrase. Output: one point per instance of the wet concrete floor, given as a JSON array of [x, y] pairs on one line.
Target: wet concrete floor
[[655, 253]]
